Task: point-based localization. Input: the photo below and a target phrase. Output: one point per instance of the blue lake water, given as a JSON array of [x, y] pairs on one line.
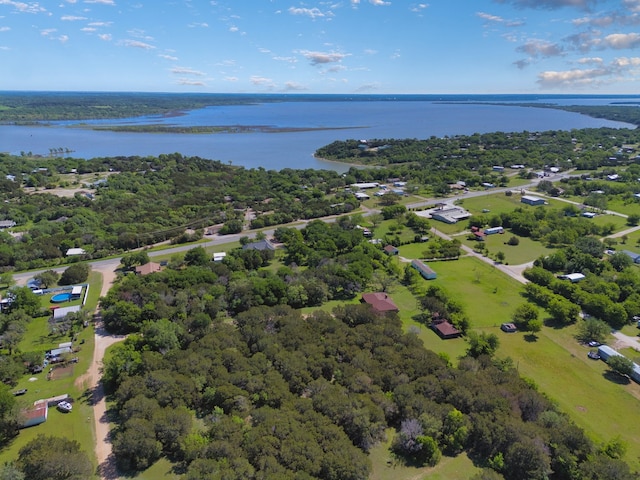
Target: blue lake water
[[342, 119]]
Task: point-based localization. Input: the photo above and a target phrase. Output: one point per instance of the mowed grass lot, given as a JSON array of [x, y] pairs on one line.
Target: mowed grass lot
[[554, 360], [78, 424]]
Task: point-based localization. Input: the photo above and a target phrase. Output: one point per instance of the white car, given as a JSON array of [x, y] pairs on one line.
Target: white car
[[65, 407]]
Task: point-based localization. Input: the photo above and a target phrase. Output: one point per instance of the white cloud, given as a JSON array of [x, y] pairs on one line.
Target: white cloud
[[570, 78], [379, 2], [633, 5], [495, 19], [262, 81], [88, 29], [168, 57], [231, 79], [31, 7], [320, 58], [309, 12], [189, 82], [187, 71], [550, 4], [419, 7], [137, 44], [103, 2], [540, 48], [619, 41], [233, 28], [590, 60], [105, 36], [100, 24], [294, 87], [47, 31], [5, 29], [71, 18], [202, 25], [285, 59]]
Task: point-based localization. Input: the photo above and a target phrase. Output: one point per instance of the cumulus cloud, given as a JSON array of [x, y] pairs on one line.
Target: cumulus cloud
[[550, 4], [201, 25], [379, 2], [619, 68], [138, 44], [187, 71], [24, 7], [5, 29], [570, 78], [105, 37], [419, 8], [168, 57], [262, 81], [71, 18], [231, 79], [103, 2], [619, 41], [632, 5], [309, 12], [321, 58], [540, 48]]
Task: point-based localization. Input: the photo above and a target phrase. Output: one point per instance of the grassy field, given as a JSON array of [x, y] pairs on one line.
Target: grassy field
[[78, 424], [526, 251], [554, 360]]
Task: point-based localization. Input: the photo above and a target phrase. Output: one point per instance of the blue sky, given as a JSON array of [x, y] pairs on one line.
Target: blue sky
[[341, 46]]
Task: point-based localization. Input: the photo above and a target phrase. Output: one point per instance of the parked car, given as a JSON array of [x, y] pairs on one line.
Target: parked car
[[20, 392], [593, 343], [65, 407], [593, 355]]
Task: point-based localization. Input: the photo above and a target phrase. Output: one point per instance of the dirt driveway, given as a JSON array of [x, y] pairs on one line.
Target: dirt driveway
[[90, 380]]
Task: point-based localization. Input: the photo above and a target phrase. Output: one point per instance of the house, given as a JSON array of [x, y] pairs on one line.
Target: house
[[444, 329], [589, 214], [487, 185], [493, 230], [607, 352], [75, 251], [391, 250], [450, 215], [380, 302], [613, 177], [498, 168], [148, 268], [479, 235], [531, 200], [7, 224], [35, 415], [508, 327], [425, 270], [218, 257], [362, 196], [572, 277], [633, 256], [259, 245]]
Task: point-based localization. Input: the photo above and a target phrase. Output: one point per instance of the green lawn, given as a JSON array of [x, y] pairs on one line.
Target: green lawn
[[78, 424], [385, 467], [526, 251]]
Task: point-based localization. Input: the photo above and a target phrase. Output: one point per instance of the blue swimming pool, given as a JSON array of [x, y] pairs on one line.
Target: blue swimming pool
[[61, 297]]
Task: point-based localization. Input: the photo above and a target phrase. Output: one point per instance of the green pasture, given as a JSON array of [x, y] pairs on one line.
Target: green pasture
[[553, 359], [618, 204], [526, 251], [78, 424]]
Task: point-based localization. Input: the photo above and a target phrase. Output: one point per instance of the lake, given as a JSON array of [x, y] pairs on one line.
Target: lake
[[335, 120]]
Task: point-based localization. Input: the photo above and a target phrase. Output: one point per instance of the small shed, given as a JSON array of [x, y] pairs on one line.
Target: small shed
[[219, 256], [35, 415], [445, 330], [76, 291], [75, 251], [572, 277], [391, 250], [425, 270], [531, 200]]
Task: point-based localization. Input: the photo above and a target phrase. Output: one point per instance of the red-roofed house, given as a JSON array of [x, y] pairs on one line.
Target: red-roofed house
[[148, 268], [35, 415], [444, 329], [391, 250], [380, 301]]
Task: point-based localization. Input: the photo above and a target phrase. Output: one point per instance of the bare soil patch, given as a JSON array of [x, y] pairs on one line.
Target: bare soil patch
[[61, 372]]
